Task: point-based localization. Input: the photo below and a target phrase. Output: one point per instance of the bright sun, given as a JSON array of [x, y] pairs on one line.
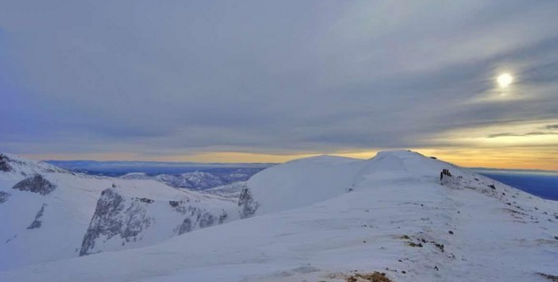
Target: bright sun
[[504, 79]]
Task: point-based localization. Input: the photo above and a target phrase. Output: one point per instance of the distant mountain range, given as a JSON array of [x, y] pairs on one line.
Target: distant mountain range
[[119, 168], [195, 176]]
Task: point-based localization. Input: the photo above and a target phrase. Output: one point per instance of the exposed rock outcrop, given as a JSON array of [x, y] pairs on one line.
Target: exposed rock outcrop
[[38, 222], [105, 220], [186, 226], [36, 184], [247, 203], [123, 222], [4, 163], [4, 196]]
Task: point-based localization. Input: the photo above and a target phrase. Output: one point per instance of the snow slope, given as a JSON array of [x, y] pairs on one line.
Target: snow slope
[[396, 218], [303, 182], [45, 213]]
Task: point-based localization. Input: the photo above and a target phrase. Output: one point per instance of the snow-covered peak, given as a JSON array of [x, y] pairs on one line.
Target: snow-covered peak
[[403, 161], [398, 153], [302, 182], [16, 166], [397, 164]]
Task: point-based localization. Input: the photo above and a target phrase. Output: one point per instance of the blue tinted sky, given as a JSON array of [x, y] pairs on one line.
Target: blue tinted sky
[[270, 81]]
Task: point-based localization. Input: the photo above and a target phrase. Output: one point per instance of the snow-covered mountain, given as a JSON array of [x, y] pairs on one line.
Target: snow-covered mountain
[[338, 219], [197, 180], [231, 191], [47, 213], [12, 166], [124, 221]]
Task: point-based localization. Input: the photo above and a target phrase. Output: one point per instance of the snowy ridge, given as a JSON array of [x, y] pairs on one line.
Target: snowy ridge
[[15, 166], [46, 213], [389, 214]]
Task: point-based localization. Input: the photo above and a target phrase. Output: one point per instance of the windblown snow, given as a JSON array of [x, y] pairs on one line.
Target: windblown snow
[[316, 219]]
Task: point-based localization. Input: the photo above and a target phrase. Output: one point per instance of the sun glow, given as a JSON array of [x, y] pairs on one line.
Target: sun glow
[[504, 80]]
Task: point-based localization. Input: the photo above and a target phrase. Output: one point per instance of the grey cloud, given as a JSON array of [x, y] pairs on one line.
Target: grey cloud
[[536, 133], [279, 77], [502, 135]]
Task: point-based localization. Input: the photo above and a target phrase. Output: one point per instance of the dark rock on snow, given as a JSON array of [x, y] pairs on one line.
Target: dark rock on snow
[[104, 221], [248, 204], [4, 196], [128, 218], [37, 222], [36, 184], [4, 163]]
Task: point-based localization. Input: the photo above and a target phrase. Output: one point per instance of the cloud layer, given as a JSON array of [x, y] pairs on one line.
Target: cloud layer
[[167, 78]]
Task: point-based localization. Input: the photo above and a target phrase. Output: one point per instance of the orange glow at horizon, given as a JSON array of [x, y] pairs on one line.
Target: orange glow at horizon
[[513, 145], [508, 158]]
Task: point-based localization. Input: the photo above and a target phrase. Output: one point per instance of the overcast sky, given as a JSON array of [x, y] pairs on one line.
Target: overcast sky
[[268, 80]]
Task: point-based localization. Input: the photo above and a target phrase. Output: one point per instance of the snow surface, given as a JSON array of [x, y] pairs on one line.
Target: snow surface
[[388, 214], [303, 182], [37, 228]]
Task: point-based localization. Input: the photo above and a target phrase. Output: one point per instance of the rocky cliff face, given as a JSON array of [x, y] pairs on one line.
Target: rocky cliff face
[[36, 184], [196, 217], [105, 221], [122, 222], [248, 206], [4, 163]]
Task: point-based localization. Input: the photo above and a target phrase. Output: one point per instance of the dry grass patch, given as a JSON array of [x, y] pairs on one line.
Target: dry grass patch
[[370, 277]]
